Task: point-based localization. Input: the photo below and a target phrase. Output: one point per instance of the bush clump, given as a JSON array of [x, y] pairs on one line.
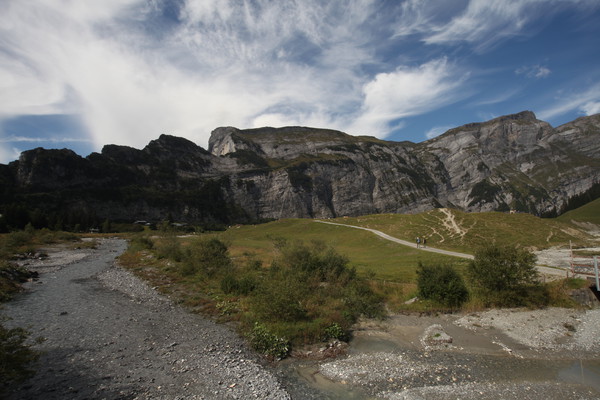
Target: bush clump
[[506, 276], [310, 288], [206, 256], [267, 343], [441, 284]]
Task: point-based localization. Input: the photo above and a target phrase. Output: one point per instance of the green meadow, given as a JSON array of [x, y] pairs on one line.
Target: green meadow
[[383, 260], [371, 255]]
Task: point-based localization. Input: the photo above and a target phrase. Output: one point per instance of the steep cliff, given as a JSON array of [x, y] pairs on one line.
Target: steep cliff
[[511, 162]]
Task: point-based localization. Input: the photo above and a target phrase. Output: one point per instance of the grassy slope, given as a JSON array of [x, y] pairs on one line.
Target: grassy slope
[[393, 262], [474, 229], [367, 252], [587, 213]]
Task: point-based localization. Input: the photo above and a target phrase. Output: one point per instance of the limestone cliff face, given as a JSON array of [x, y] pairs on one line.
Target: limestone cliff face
[[511, 162], [518, 162]]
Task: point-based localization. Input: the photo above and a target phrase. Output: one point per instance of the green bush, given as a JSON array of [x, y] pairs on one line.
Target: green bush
[[265, 342], [169, 247], [506, 276], [141, 242], [316, 261], [310, 288], [207, 256], [281, 300], [441, 284], [335, 331], [242, 286]]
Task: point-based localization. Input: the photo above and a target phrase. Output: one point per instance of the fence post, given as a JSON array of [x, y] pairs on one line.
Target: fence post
[[596, 273]]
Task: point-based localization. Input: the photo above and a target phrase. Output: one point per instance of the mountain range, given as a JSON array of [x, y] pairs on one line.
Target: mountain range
[[515, 162]]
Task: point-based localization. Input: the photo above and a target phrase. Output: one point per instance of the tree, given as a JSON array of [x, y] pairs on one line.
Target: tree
[[441, 284], [503, 275]]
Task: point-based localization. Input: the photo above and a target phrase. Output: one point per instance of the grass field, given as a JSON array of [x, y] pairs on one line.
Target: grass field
[[466, 232], [588, 213], [368, 253], [388, 261]]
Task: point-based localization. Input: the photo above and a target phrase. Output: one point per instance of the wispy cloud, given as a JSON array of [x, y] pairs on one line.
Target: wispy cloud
[[8, 154], [585, 102], [222, 63], [28, 139], [406, 92], [590, 108], [133, 69], [437, 131], [534, 71], [481, 23]]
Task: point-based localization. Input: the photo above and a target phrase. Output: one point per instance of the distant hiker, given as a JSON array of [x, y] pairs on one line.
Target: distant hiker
[[418, 242], [424, 241]]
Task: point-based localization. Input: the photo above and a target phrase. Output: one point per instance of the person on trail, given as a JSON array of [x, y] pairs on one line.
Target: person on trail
[[418, 241], [424, 241]]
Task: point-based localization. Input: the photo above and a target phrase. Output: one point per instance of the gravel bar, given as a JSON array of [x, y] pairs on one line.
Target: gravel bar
[[108, 335]]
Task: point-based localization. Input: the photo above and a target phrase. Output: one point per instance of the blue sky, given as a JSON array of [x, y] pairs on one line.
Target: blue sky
[[82, 74]]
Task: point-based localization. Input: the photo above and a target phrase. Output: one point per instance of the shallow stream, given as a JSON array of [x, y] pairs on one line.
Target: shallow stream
[[583, 375]]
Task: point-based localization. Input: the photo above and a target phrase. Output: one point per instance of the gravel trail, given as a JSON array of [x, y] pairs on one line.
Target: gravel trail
[[108, 335]]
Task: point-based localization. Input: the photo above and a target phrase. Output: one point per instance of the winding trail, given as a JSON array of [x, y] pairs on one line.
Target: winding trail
[[108, 335], [543, 269], [403, 242]]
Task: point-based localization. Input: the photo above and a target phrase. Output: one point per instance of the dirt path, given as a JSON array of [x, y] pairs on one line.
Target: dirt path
[[403, 242], [544, 269], [110, 336]]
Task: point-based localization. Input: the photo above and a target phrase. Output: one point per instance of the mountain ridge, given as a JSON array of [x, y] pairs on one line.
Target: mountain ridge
[[510, 162]]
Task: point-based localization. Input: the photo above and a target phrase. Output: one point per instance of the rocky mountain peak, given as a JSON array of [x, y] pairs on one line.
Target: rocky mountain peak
[[511, 162], [223, 141]]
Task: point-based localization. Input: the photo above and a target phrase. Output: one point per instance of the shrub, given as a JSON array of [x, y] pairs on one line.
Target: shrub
[[506, 276], [141, 242], [316, 261], [281, 300], [169, 247], [441, 284], [335, 331], [208, 256], [265, 342]]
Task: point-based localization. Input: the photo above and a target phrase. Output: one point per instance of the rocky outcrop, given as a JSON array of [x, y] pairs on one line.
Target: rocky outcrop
[[512, 162]]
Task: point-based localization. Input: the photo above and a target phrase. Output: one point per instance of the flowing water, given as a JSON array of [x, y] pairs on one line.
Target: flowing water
[[522, 373]]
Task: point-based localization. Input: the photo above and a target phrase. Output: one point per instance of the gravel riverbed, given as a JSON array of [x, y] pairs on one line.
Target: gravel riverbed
[[108, 335]]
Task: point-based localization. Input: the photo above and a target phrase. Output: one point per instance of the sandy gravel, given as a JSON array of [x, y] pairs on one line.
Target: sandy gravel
[[110, 336], [543, 330], [497, 354]]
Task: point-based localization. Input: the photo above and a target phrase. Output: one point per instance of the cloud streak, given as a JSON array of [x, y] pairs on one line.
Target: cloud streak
[[133, 69], [406, 92], [534, 71], [585, 102]]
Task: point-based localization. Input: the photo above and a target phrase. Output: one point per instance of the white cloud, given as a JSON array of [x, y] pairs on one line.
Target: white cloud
[[437, 131], [534, 71], [498, 98], [224, 65], [481, 23], [586, 102], [593, 107], [406, 92], [8, 154], [131, 76], [40, 139]]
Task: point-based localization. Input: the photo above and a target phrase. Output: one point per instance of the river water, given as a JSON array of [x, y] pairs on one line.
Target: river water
[[489, 376]]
